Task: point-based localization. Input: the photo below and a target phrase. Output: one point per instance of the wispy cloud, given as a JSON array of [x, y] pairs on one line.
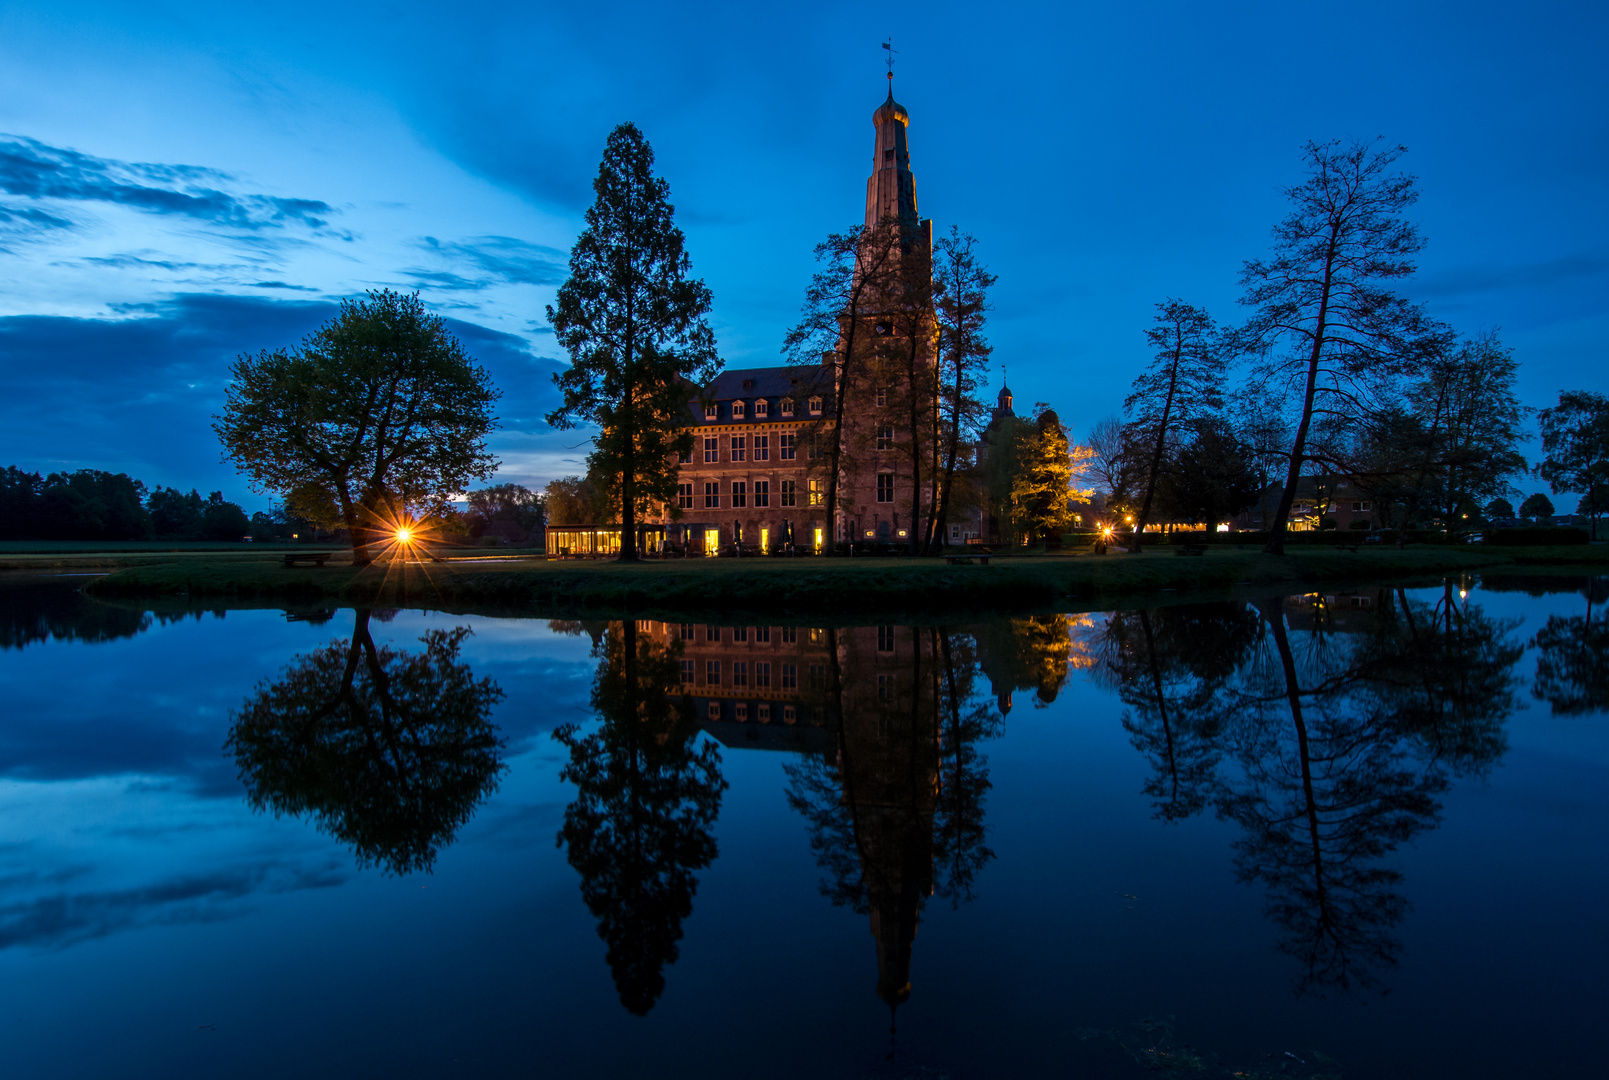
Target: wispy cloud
[[1463, 280], [490, 260], [37, 171]]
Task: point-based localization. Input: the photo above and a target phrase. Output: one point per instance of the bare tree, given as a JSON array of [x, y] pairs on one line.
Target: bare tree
[[961, 303]]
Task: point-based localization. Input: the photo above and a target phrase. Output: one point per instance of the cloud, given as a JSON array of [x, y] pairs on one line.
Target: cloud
[[497, 259], [1463, 280], [35, 170]]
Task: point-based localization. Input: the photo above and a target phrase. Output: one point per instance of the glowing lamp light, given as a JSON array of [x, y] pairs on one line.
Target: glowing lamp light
[[404, 536]]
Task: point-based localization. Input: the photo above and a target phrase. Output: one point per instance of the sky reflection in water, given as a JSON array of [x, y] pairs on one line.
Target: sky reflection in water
[[1366, 824]]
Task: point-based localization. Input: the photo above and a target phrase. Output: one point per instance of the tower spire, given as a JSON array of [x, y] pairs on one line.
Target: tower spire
[[891, 190]]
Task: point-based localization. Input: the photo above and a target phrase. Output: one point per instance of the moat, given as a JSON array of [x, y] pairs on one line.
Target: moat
[[1352, 833]]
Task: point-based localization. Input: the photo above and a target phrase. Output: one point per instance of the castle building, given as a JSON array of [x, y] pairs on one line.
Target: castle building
[[757, 478]]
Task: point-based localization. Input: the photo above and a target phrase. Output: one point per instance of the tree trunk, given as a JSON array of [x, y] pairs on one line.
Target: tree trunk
[[1276, 535]]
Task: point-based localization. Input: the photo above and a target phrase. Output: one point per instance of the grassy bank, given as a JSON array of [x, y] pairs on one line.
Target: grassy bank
[[885, 586]]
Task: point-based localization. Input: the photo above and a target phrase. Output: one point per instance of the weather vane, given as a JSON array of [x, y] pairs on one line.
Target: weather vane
[[888, 47]]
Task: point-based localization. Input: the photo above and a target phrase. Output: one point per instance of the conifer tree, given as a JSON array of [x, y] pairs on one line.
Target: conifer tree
[[633, 323]]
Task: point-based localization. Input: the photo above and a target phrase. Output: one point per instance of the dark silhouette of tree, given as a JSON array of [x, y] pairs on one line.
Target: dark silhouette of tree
[[1210, 475], [1572, 657], [647, 796], [1575, 442], [1537, 506], [36, 611], [390, 752], [961, 303], [1325, 325], [1183, 384], [378, 413], [87, 504], [633, 323], [967, 718], [1499, 508]]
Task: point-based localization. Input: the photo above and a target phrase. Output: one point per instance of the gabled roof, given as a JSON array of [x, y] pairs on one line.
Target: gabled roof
[[771, 382]]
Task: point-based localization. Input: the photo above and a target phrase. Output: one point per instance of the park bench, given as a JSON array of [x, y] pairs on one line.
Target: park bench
[[317, 558], [981, 558], [1191, 549]]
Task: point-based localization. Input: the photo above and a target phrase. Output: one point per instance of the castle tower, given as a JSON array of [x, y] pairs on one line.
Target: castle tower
[[891, 189]]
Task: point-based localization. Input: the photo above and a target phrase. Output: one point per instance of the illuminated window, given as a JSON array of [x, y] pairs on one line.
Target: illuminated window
[[739, 447], [762, 493], [885, 487], [790, 676], [885, 438], [712, 448], [762, 408], [712, 495], [788, 493], [737, 410], [762, 448], [885, 639], [684, 496], [740, 673], [787, 406], [762, 676], [815, 406], [687, 672], [817, 496], [785, 446], [712, 673], [740, 493]]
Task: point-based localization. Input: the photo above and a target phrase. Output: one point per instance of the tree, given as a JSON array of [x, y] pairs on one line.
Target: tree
[[1043, 480], [1499, 508], [387, 751], [1325, 326], [378, 414], [859, 269], [1183, 384], [648, 792], [633, 323], [511, 506], [573, 500], [1112, 465], [961, 303], [1575, 442], [1210, 476], [1537, 506]]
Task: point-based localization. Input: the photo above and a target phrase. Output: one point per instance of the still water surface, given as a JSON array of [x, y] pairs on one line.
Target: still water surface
[[1359, 834]]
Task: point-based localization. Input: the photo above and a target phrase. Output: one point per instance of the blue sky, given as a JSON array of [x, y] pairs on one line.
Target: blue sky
[[182, 182]]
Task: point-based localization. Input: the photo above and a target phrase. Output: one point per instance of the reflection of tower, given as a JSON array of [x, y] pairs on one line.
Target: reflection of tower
[[889, 760]]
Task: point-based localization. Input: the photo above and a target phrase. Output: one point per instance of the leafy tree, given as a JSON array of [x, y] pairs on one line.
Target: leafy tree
[[633, 323], [1325, 327], [1183, 384], [513, 504], [642, 822], [574, 500], [1499, 508], [1210, 476], [175, 515], [389, 752], [87, 504], [1537, 506], [1575, 442], [859, 269], [961, 303], [377, 413]]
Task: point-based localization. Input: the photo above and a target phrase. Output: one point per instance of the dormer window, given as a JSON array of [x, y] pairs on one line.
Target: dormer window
[[762, 407], [711, 412], [815, 406], [737, 410], [786, 406]]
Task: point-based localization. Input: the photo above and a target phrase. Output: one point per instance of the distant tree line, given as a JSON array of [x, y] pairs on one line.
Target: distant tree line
[[91, 504]]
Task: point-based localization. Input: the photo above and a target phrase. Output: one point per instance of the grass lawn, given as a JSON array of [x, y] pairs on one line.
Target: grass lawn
[[809, 586]]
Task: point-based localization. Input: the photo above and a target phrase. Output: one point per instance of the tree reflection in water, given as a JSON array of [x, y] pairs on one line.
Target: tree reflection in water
[[1342, 727], [648, 793], [1572, 662], [388, 751]]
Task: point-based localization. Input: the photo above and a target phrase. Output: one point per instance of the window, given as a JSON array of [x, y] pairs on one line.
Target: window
[[762, 634], [763, 712], [712, 672], [790, 635], [762, 493], [740, 633], [790, 676], [741, 709], [762, 676], [818, 676], [712, 632], [762, 448], [815, 447], [687, 631], [712, 495], [762, 408], [787, 406], [740, 493], [711, 412], [815, 406], [885, 487], [817, 496], [740, 673], [885, 687], [785, 446], [885, 639], [1359, 507], [712, 449], [787, 714], [739, 447], [789, 498], [882, 397], [684, 457], [737, 410], [684, 496], [885, 438], [687, 672]]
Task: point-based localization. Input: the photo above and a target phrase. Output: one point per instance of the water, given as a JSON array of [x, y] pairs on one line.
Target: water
[[363, 843]]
